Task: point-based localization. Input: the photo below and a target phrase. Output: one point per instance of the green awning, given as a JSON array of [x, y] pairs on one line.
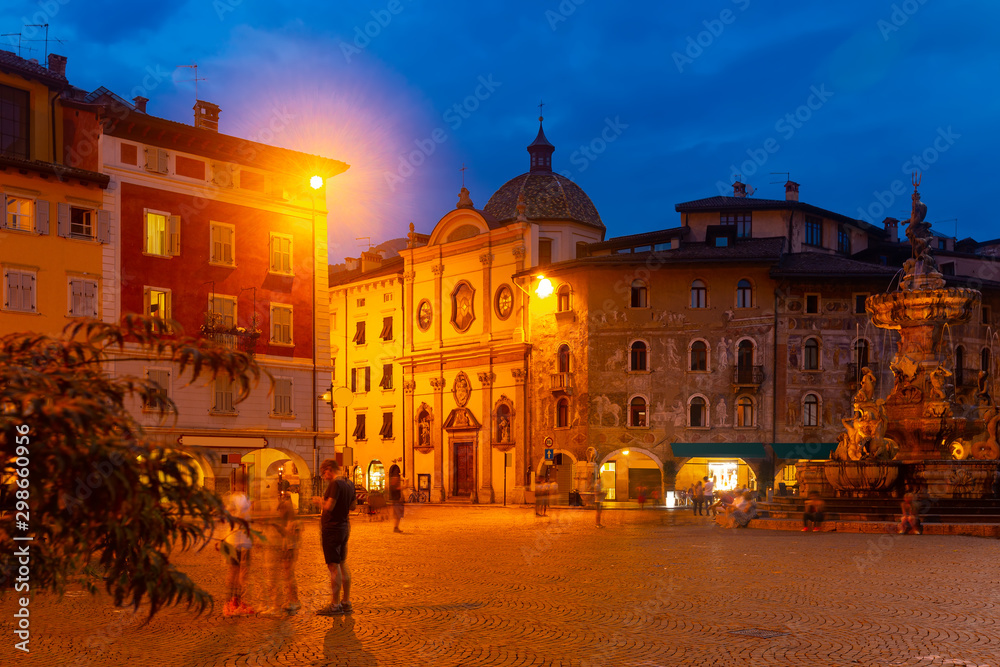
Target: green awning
[[803, 450], [729, 450]]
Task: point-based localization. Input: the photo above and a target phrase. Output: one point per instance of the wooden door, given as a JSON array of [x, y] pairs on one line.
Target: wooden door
[[463, 469]]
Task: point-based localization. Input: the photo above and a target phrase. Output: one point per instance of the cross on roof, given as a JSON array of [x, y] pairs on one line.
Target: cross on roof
[[540, 105], [463, 174]]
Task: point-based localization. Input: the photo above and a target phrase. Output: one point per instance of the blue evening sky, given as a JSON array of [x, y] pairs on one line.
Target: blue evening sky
[[648, 104]]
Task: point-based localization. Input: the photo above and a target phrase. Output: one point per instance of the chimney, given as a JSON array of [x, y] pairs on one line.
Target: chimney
[[891, 229], [791, 191], [739, 189], [140, 103], [370, 260], [351, 263], [57, 65], [206, 115]]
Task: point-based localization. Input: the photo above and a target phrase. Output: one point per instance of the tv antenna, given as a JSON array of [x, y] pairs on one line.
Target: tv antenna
[[788, 177], [196, 79], [750, 189], [366, 238], [955, 220], [46, 40], [19, 45]]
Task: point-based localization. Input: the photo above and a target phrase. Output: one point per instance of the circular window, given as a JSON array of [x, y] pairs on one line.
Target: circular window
[[504, 302], [425, 314]]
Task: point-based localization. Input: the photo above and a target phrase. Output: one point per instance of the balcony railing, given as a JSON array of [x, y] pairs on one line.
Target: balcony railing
[[748, 376], [562, 382], [234, 339]]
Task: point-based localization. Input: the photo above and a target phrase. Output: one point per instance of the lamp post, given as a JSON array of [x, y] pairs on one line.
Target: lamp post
[[315, 182], [543, 290]]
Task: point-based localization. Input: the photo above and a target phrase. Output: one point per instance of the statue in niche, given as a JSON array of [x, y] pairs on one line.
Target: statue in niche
[[424, 428], [503, 429]]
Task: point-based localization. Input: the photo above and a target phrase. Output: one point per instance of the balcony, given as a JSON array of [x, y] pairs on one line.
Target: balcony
[[234, 339], [747, 377], [561, 383]]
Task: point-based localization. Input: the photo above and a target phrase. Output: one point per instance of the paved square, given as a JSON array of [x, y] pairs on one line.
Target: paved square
[[494, 586]]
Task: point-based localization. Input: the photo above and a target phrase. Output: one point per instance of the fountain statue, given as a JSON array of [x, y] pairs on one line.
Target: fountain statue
[[920, 437]]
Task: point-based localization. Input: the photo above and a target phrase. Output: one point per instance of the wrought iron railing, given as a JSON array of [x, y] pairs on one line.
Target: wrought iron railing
[[748, 376]]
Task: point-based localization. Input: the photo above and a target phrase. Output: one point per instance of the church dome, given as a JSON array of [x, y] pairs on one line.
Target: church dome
[[547, 195]]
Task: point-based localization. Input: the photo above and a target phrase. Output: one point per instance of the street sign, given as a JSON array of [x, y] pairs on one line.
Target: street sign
[[550, 454]]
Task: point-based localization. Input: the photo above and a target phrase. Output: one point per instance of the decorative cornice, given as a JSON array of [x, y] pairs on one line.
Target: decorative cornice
[[486, 259], [409, 386], [518, 252], [437, 384], [487, 378], [520, 375], [437, 269]]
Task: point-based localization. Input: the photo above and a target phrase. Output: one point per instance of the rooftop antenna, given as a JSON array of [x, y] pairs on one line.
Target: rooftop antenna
[[366, 238], [955, 220], [196, 78], [19, 47], [788, 177], [46, 26]]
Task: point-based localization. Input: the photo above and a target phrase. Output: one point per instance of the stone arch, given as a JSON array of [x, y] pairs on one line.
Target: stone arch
[[264, 490]]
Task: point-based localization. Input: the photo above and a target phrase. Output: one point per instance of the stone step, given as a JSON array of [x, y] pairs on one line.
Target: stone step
[[991, 530]]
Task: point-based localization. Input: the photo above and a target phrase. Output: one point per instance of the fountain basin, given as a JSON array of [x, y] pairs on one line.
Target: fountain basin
[[861, 478], [898, 310], [956, 479]]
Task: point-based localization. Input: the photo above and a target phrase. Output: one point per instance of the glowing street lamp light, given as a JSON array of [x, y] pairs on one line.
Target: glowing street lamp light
[[316, 182], [544, 288]]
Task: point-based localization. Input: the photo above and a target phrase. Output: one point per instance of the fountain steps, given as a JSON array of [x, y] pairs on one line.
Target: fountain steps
[[991, 530]]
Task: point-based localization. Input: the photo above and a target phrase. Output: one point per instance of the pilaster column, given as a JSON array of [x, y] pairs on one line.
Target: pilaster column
[[522, 448], [486, 259], [437, 439], [486, 442], [409, 437]]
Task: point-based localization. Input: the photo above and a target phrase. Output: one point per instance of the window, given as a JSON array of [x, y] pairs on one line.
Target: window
[[562, 413], [544, 252], [81, 222], [721, 241], [699, 356], [859, 303], [223, 240], [223, 401], [984, 360], [740, 220], [699, 295], [359, 333], [386, 382], [947, 268], [359, 427], [638, 299], [698, 411], [386, 430], [562, 358], [814, 231], [157, 302], [20, 214], [156, 160], [861, 353], [361, 303], [15, 113], [744, 411], [811, 357], [387, 297], [812, 304], [281, 254], [744, 294], [810, 410], [562, 299], [843, 240], [638, 356], [386, 328], [223, 311], [283, 396], [161, 378], [361, 379], [163, 234], [744, 362], [281, 324], [19, 290], [82, 297], [637, 412]]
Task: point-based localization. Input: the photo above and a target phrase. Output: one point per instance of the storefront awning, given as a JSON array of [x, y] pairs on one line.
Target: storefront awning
[[729, 450], [803, 450]]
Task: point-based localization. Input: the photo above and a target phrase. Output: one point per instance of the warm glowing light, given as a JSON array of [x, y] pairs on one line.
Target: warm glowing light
[[624, 452], [316, 182], [544, 288]]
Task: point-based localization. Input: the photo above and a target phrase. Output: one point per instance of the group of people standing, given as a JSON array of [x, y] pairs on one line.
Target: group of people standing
[[703, 489], [545, 491]]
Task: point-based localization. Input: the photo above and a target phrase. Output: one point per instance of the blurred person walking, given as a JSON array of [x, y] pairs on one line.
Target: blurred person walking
[[336, 503], [235, 548], [283, 548], [396, 498]]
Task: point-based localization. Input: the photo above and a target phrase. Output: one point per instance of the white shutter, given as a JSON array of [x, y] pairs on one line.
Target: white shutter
[[161, 160], [28, 291], [150, 159], [90, 298], [104, 226], [41, 216], [174, 235], [63, 218]]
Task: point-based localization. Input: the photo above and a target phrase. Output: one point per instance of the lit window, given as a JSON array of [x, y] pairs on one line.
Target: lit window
[[744, 294], [223, 244], [82, 297], [638, 356], [637, 411], [281, 324], [163, 234], [699, 295], [638, 299], [810, 410], [744, 411], [699, 356], [20, 214], [157, 302]]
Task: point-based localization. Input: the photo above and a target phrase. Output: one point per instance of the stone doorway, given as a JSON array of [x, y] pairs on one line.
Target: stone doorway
[[464, 467]]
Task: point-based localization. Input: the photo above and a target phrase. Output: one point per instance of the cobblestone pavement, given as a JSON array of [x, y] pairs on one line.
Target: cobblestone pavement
[[493, 586]]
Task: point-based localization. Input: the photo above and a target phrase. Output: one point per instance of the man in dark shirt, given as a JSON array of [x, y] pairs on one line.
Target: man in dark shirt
[[335, 529]]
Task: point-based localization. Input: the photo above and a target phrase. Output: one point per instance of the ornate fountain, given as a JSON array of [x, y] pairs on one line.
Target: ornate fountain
[[920, 437]]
